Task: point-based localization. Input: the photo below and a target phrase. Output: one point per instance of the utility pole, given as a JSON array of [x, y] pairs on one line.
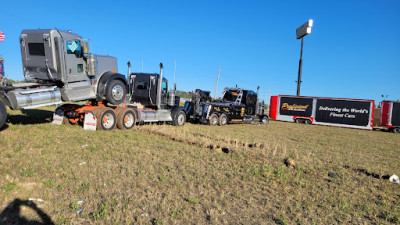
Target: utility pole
[[300, 67], [301, 32], [216, 86]]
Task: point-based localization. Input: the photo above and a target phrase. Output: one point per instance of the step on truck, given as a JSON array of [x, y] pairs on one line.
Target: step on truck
[[236, 105], [59, 67], [339, 112]]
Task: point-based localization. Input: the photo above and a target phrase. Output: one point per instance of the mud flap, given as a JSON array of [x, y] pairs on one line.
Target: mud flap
[[90, 121], [58, 117]]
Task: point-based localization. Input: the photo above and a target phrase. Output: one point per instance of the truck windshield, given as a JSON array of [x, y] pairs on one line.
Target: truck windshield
[[230, 96]]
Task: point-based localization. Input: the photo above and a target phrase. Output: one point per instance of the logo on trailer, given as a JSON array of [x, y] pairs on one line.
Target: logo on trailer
[[294, 107]]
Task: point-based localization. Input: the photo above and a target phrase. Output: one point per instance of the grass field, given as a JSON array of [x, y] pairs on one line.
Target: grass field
[[196, 174]]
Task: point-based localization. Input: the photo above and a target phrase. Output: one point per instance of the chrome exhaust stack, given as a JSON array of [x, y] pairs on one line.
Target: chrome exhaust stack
[[158, 100]]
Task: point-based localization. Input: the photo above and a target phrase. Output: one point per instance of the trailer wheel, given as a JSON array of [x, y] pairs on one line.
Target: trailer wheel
[[396, 130], [106, 118], [222, 120], [3, 114], [264, 120], [126, 119], [116, 92], [180, 119], [213, 119]]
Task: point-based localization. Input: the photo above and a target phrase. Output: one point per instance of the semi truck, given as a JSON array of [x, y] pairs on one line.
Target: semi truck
[[59, 67], [236, 105], [340, 112], [149, 100]]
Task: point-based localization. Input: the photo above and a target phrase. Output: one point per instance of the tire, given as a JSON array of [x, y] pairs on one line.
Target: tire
[[126, 119], [213, 120], [396, 130], [307, 121], [223, 120], [3, 114], [116, 92], [264, 120], [180, 119], [106, 118]]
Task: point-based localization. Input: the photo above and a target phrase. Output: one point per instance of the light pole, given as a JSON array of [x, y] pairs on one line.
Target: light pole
[[301, 32]]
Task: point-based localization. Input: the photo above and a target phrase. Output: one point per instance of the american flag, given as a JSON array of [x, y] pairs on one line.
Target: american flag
[[1, 36]]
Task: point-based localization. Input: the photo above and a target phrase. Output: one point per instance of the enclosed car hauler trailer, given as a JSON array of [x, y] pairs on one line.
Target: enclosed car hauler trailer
[[339, 112], [387, 116]]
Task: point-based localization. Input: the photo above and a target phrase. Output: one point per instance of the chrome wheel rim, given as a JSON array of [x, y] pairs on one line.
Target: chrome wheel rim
[[117, 92], [130, 120], [108, 120], [214, 121], [180, 119], [264, 121], [224, 120]]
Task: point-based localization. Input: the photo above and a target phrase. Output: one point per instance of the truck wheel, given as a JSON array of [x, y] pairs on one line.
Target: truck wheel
[[213, 120], [180, 119], [396, 130], [106, 118], [307, 121], [126, 119], [264, 120], [3, 114], [116, 92], [222, 120]]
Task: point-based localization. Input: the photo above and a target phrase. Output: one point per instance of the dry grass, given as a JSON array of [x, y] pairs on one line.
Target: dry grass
[[196, 174]]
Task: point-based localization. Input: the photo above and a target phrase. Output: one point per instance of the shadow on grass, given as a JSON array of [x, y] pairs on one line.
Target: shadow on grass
[[12, 214], [31, 116]]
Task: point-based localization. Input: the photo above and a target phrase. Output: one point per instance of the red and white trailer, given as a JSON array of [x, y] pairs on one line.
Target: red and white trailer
[[339, 112], [387, 116]]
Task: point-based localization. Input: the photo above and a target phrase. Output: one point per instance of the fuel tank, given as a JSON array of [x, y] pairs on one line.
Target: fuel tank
[[34, 97]]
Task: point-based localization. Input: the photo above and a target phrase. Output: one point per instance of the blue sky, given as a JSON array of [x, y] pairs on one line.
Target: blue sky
[[352, 52]]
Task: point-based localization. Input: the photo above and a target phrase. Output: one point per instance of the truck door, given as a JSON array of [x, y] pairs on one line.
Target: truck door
[[76, 65]]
